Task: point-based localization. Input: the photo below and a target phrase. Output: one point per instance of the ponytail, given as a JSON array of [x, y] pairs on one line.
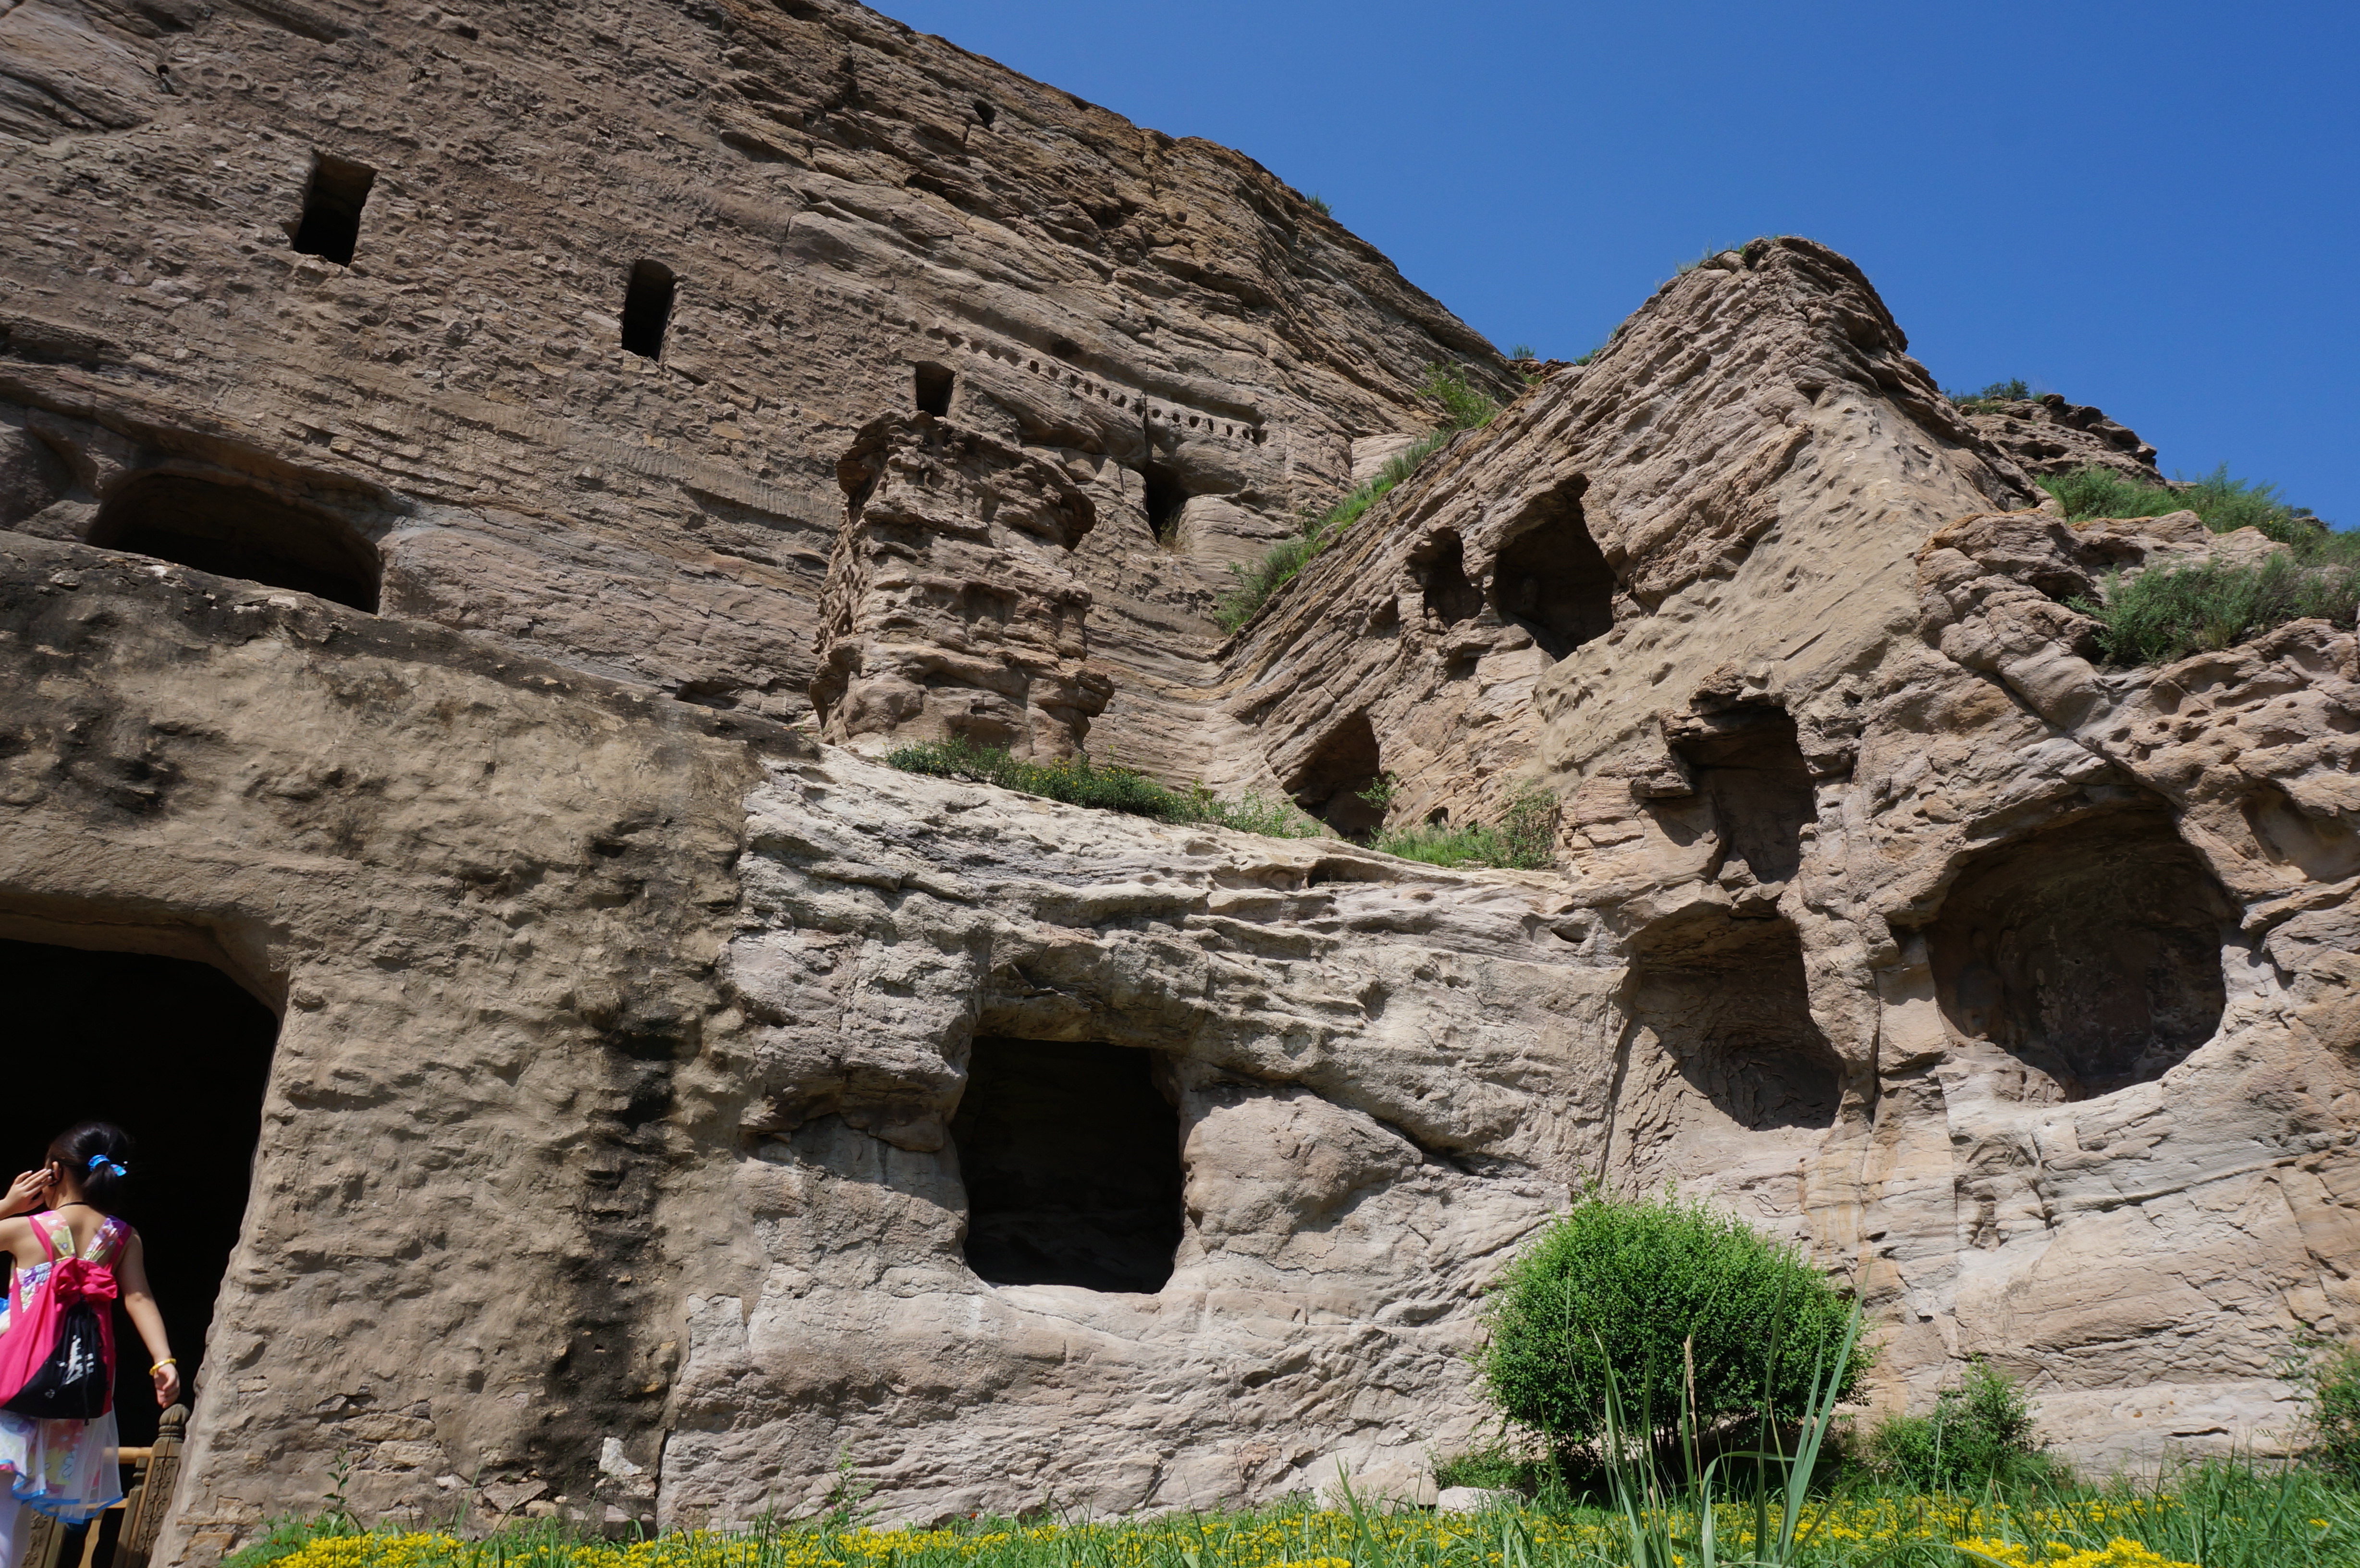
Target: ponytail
[[98, 1156]]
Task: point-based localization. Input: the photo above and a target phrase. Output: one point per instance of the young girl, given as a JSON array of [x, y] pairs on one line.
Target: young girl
[[68, 1468]]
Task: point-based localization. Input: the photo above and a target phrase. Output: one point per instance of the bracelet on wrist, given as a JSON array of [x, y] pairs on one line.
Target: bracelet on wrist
[[168, 1361]]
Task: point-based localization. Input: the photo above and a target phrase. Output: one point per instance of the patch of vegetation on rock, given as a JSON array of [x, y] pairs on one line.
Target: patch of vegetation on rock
[[1077, 782]]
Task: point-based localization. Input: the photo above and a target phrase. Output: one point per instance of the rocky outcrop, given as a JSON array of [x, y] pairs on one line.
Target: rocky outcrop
[[667, 1101], [952, 609], [2048, 435]]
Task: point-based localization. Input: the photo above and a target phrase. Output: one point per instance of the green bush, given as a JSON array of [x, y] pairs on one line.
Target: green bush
[[1464, 406], [1318, 204], [1989, 399], [2331, 1381], [2223, 503], [1500, 1466], [1079, 782], [1524, 840], [1648, 1289], [2169, 612], [1981, 1432]]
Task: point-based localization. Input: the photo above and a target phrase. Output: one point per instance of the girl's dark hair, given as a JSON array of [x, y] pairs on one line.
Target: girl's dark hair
[[97, 1155]]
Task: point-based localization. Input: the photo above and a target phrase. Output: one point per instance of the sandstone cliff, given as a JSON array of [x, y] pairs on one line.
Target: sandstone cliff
[[667, 1099]]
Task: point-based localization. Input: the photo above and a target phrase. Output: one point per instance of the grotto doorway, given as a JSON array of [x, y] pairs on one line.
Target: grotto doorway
[[176, 1053], [1749, 768], [1072, 1164], [1332, 781], [1552, 579], [1727, 999], [233, 531], [2090, 950]]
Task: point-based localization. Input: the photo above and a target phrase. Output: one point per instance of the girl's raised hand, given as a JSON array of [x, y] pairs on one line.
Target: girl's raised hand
[[24, 1192]]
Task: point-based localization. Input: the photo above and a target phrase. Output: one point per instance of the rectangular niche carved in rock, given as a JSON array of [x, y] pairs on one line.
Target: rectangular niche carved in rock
[[933, 389], [331, 226], [647, 308], [1072, 1164]]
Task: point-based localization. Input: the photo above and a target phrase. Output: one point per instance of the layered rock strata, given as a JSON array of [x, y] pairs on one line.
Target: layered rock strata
[[667, 1101]]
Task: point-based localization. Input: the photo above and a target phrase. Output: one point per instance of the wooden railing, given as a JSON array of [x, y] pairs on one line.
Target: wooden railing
[[154, 1472]]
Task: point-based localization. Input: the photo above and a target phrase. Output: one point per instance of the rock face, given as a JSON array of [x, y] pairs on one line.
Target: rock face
[[2048, 435], [441, 454]]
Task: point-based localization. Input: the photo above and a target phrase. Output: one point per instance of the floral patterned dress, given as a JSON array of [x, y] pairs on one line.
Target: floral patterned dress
[[67, 1469]]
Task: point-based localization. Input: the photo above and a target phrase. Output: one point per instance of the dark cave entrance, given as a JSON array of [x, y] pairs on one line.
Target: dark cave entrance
[[176, 1055], [1165, 498], [647, 308], [1751, 770], [1441, 565], [330, 227], [2091, 951], [1728, 999], [1072, 1164], [1552, 579], [931, 390], [233, 531], [1340, 769]]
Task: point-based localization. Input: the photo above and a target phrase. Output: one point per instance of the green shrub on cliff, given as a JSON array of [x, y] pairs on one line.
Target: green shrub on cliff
[[1077, 782], [2226, 504], [1524, 839], [1464, 406]]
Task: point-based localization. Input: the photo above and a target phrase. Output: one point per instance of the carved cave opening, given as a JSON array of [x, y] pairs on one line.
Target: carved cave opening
[[176, 1055], [1342, 766], [330, 227], [1072, 1164], [931, 390], [233, 531], [2090, 950], [647, 308], [1165, 498], [1552, 579], [1749, 768], [1441, 565], [1727, 999]]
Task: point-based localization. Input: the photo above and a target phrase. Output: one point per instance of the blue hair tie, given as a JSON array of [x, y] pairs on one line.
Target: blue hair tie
[[96, 1160]]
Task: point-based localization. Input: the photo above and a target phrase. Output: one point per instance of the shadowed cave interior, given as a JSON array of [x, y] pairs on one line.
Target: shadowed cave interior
[[1726, 997], [232, 531], [176, 1055], [1072, 1164], [2091, 951], [1340, 769], [1552, 579]]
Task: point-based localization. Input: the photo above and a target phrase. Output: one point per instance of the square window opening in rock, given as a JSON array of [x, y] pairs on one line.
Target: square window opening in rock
[[647, 308], [932, 391], [1071, 1159], [331, 226], [177, 1055]]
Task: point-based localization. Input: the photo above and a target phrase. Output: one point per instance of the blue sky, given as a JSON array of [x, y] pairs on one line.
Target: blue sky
[[2151, 208]]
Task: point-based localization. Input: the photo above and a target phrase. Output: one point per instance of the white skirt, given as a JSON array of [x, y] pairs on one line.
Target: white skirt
[[68, 1469]]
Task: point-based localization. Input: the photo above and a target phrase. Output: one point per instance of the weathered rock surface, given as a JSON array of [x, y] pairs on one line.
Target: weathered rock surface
[[2048, 435], [667, 1101]]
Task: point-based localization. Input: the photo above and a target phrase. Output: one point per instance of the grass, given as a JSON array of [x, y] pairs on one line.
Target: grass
[[2224, 1515], [1464, 407], [2226, 504], [1318, 204], [2169, 612], [1077, 782]]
